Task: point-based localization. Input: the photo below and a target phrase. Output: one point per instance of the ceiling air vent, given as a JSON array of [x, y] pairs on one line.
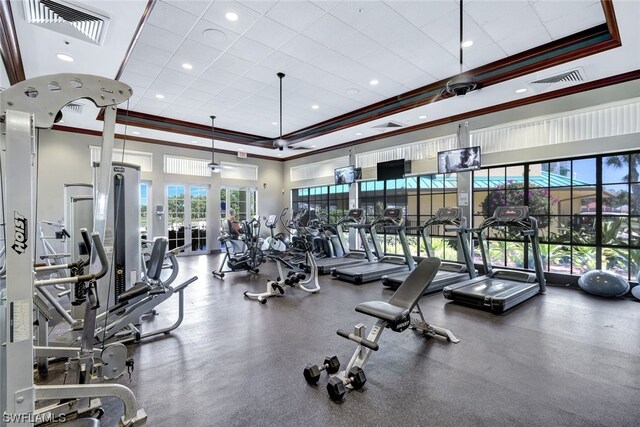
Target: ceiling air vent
[[383, 127], [73, 107], [567, 78], [66, 18]]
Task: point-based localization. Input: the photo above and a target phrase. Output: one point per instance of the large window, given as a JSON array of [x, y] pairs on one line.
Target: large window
[[328, 201], [420, 197], [588, 210]]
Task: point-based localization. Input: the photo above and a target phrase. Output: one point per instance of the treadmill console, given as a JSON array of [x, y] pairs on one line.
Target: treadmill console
[[448, 214], [511, 213], [356, 216], [393, 213]]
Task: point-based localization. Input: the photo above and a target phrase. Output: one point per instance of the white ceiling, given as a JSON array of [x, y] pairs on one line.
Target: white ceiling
[[325, 48]]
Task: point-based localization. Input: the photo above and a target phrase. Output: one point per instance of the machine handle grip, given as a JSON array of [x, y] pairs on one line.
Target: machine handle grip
[[454, 228], [362, 341], [66, 233], [102, 256], [85, 238]]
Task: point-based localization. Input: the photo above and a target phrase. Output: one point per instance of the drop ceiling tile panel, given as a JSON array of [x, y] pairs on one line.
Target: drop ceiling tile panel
[[233, 64], [250, 50], [356, 46], [171, 76], [219, 76], [213, 35], [184, 102], [280, 62], [483, 12], [329, 31], [261, 73], [171, 18], [394, 68], [150, 54], [523, 41], [501, 29], [135, 79], [194, 7], [160, 38], [234, 94], [362, 14], [550, 10], [581, 20], [446, 28], [305, 49], [144, 68], [176, 63], [260, 6], [248, 84], [207, 86], [198, 52], [480, 55], [421, 13], [246, 16], [296, 15], [327, 5], [169, 90], [270, 33], [196, 94]]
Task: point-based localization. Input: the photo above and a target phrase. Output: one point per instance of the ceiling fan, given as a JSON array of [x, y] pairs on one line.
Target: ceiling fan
[[215, 167], [280, 143], [463, 83]]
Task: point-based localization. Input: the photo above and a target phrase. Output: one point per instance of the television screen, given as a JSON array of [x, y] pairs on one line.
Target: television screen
[[357, 173], [393, 169], [459, 160], [345, 175]]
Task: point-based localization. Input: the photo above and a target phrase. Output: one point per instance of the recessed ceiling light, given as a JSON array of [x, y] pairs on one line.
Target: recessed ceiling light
[[422, 117], [352, 91], [63, 57], [313, 146], [358, 133], [61, 121], [315, 106], [373, 82], [467, 43], [135, 132], [240, 149], [231, 16], [159, 96], [279, 155], [194, 141], [187, 66], [275, 123], [523, 90]]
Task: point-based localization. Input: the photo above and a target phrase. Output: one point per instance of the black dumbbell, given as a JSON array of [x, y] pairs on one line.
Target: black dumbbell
[[312, 372], [337, 387]]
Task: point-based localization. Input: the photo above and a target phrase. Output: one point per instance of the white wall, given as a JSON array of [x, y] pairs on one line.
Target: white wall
[[64, 158]]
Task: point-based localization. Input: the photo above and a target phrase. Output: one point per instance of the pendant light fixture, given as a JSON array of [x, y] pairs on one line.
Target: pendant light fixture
[[215, 168]]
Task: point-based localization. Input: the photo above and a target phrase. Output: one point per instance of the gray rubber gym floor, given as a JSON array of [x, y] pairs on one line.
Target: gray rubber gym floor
[[563, 358]]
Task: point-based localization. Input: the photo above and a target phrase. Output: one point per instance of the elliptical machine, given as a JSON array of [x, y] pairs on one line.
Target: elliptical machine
[[250, 259]]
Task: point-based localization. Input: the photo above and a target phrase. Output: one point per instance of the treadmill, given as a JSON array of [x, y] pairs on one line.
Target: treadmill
[[450, 272], [502, 289], [354, 218], [392, 220]]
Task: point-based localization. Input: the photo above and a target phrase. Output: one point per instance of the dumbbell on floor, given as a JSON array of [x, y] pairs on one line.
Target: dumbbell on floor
[[337, 387], [312, 372]]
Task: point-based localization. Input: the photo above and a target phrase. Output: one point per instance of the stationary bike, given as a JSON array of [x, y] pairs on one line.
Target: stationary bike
[[250, 259]]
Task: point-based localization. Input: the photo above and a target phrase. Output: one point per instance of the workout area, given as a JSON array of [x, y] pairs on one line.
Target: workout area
[[314, 212]]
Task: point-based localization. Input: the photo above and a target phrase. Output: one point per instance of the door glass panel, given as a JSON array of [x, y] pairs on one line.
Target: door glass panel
[[198, 219], [175, 211]]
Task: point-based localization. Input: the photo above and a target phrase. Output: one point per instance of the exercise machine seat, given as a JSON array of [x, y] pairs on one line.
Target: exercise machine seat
[[138, 289], [154, 267], [406, 296], [383, 310]]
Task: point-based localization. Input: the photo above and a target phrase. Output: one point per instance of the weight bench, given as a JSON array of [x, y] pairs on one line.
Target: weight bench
[[402, 311]]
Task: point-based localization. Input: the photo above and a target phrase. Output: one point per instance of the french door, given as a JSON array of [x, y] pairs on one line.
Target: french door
[[242, 200], [187, 217]]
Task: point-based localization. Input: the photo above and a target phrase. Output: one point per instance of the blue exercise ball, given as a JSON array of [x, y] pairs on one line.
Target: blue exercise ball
[[603, 283], [636, 291]]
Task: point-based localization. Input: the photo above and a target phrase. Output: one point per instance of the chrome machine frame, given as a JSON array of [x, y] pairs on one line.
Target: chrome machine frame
[[26, 107]]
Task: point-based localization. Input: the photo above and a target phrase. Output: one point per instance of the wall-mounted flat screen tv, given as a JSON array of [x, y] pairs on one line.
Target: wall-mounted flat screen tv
[[394, 169], [459, 160], [345, 175]]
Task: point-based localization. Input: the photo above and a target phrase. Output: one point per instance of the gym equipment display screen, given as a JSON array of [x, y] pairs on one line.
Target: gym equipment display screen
[[345, 175], [460, 160]]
